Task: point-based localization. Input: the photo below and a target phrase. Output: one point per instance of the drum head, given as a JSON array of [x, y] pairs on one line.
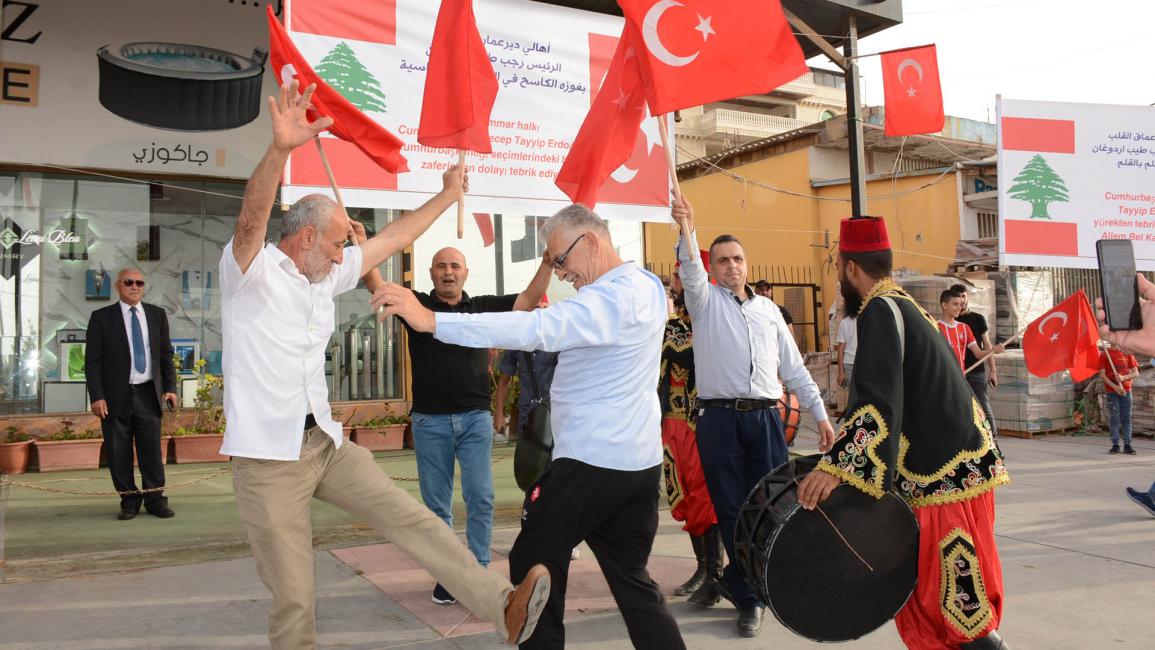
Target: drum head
[[811, 579]]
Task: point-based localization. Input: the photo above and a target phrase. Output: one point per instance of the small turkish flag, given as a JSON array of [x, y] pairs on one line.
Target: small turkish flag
[[1064, 338], [349, 123], [701, 51], [607, 136], [913, 92], [460, 86]]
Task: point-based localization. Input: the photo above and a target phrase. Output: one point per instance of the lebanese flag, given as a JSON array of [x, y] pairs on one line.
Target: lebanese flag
[[1064, 338], [460, 86], [372, 21], [349, 123], [913, 91], [608, 134], [700, 51]]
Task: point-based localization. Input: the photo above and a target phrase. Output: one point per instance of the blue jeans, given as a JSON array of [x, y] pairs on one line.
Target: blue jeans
[[468, 436], [1119, 406]]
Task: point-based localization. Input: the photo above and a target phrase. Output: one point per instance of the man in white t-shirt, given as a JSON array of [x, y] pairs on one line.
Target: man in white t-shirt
[[847, 344], [277, 317]]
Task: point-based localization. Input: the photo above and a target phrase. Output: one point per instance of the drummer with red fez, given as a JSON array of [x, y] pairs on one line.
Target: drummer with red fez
[[682, 467], [741, 348], [912, 413]]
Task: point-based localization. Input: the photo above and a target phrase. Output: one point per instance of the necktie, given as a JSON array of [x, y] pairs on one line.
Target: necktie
[[137, 342]]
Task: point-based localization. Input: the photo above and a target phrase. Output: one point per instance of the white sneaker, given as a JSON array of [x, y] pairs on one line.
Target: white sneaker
[[574, 554]]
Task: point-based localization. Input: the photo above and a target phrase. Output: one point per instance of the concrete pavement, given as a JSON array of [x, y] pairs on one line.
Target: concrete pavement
[[1078, 561]]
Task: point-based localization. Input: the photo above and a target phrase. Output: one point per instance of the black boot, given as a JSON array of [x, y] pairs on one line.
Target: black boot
[[991, 641], [695, 582], [711, 590]]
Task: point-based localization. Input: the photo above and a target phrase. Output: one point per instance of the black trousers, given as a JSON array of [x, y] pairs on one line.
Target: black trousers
[[977, 379], [737, 449], [616, 513], [136, 419]]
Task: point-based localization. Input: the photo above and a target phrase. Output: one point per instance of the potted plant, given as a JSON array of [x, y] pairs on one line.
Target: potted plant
[[69, 449], [381, 433], [200, 442], [15, 447]]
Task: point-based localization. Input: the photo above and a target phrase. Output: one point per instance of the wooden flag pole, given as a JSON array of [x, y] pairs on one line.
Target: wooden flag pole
[[988, 355], [329, 173], [461, 202], [665, 136]]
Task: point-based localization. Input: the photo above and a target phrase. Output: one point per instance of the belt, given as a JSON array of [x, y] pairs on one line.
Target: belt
[[141, 386], [739, 404], [310, 422]]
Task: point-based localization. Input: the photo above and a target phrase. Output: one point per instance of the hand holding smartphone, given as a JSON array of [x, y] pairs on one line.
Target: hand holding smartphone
[[1119, 285]]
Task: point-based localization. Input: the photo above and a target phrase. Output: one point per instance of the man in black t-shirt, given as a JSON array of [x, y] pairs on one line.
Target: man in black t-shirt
[[986, 374], [451, 409], [766, 290]]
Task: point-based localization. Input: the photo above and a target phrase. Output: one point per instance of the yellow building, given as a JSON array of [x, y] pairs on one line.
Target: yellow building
[[784, 197]]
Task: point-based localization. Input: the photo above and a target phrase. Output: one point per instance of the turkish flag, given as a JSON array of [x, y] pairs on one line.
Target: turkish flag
[[701, 51], [460, 86], [608, 134], [1064, 338], [913, 92], [349, 123]]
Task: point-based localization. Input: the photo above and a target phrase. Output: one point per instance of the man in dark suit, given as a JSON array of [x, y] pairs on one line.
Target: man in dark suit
[[130, 373]]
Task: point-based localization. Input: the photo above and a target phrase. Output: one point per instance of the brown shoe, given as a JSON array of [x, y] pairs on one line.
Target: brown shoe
[[525, 604]]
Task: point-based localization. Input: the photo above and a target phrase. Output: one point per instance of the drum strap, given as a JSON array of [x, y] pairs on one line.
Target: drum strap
[[901, 325]]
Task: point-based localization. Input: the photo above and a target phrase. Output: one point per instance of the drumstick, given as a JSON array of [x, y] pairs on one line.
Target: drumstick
[[839, 533]]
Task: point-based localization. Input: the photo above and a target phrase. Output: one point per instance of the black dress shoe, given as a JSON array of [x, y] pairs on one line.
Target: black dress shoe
[[126, 514], [164, 512], [750, 620]]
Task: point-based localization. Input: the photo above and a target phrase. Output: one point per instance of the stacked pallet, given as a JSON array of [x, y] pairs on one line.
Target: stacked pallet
[[1022, 296], [1026, 405], [927, 289]]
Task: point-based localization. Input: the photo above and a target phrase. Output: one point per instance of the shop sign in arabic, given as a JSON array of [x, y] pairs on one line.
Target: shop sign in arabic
[[165, 155]]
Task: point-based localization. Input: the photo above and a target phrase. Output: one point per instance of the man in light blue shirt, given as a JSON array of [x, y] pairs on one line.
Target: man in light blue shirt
[[741, 347], [601, 486]]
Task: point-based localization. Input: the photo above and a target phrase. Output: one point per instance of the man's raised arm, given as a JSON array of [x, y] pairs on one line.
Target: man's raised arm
[[291, 129], [404, 231]]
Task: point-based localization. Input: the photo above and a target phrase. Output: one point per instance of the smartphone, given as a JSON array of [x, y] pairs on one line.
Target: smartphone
[[1117, 280]]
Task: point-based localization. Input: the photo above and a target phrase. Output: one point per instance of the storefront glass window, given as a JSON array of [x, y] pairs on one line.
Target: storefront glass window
[[63, 240]]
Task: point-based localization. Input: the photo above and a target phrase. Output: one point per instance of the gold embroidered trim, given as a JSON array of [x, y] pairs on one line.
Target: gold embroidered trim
[[960, 495], [874, 487], [957, 553], [674, 492], [958, 459], [887, 287]]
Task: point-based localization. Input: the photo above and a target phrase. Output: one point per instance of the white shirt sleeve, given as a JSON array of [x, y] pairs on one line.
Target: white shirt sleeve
[[233, 280], [792, 370], [695, 280], [348, 272], [600, 314]]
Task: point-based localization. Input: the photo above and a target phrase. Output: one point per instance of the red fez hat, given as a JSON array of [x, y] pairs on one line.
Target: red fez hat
[[863, 235], [705, 255]]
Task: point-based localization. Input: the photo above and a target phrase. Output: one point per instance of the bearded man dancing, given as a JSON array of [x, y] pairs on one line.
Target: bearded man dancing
[[911, 411]]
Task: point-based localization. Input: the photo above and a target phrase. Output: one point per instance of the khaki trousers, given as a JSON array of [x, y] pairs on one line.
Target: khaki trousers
[[274, 500]]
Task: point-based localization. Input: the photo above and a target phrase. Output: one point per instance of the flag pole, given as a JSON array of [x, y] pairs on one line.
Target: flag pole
[[461, 202], [990, 354], [665, 136], [329, 173]]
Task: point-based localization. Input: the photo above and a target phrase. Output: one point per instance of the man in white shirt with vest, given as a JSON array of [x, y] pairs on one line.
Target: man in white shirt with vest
[[602, 484], [277, 318], [741, 347]]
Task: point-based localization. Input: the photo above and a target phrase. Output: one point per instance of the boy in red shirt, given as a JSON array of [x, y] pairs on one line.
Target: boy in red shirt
[[958, 334], [1117, 370]]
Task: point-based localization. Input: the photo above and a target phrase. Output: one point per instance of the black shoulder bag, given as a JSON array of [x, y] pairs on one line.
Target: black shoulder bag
[[534, 444]]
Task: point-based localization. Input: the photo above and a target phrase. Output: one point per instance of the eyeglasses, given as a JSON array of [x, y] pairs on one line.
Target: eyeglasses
[[129, 283], [559, 261]]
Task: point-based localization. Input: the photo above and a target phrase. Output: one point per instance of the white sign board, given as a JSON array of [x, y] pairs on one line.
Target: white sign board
[[549, 62], [1071, 174], [63, 103]]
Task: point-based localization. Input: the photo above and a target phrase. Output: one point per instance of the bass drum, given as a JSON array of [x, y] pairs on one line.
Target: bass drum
[[799, 564]]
